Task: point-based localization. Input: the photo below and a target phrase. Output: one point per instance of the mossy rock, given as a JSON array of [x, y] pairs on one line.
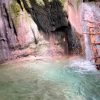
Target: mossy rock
[[41, 2], [15, 9]]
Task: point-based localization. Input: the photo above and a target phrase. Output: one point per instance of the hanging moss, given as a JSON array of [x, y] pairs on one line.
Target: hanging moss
[[28, 2], [62, 2], [40, 2], [15, 11]]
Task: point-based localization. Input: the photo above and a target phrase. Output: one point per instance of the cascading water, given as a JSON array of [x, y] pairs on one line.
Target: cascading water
[[90, 18], [86, 13]]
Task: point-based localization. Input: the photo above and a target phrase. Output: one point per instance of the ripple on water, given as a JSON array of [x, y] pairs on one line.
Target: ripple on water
[[52, 81]]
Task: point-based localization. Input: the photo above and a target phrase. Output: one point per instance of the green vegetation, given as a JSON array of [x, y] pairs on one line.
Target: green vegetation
[[28, 2], [40, 2], [78, 3], [62, 2], [15, 11]]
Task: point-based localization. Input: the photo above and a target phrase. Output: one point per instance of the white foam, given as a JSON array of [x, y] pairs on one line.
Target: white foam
[[82, 64]]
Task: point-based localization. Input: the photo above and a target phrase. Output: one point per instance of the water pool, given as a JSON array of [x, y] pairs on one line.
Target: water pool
[[48, 81]]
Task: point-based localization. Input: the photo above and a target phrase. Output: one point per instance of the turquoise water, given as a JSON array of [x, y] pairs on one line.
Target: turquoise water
[[48, 81]]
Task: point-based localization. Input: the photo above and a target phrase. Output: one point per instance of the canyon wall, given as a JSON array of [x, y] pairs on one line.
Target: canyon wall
[[40, 28]]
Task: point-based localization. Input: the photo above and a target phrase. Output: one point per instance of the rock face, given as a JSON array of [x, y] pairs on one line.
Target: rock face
[[36, 27], [91, 18], [7, 39], [12, 37]]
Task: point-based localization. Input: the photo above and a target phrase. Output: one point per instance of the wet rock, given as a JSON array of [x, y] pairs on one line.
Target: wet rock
[[26, 22]]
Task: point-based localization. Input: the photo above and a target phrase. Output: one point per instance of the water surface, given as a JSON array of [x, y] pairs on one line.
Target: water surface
[[42, 80]]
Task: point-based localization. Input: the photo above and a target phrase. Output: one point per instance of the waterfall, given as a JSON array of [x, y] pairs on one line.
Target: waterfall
[[87, 15], [88, 52]]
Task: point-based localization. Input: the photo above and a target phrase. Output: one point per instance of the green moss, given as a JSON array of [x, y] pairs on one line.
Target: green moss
[[29, 2], [15, 11], [78, 3], [62, 2], [40, 2]]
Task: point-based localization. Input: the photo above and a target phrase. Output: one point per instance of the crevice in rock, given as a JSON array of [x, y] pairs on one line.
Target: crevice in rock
[[7, 15], [14, 28], [71, 40], [35, 39], [51, 19], [19, 2]]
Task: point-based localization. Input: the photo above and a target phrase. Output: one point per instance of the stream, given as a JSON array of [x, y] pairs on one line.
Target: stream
[[49, 80]]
